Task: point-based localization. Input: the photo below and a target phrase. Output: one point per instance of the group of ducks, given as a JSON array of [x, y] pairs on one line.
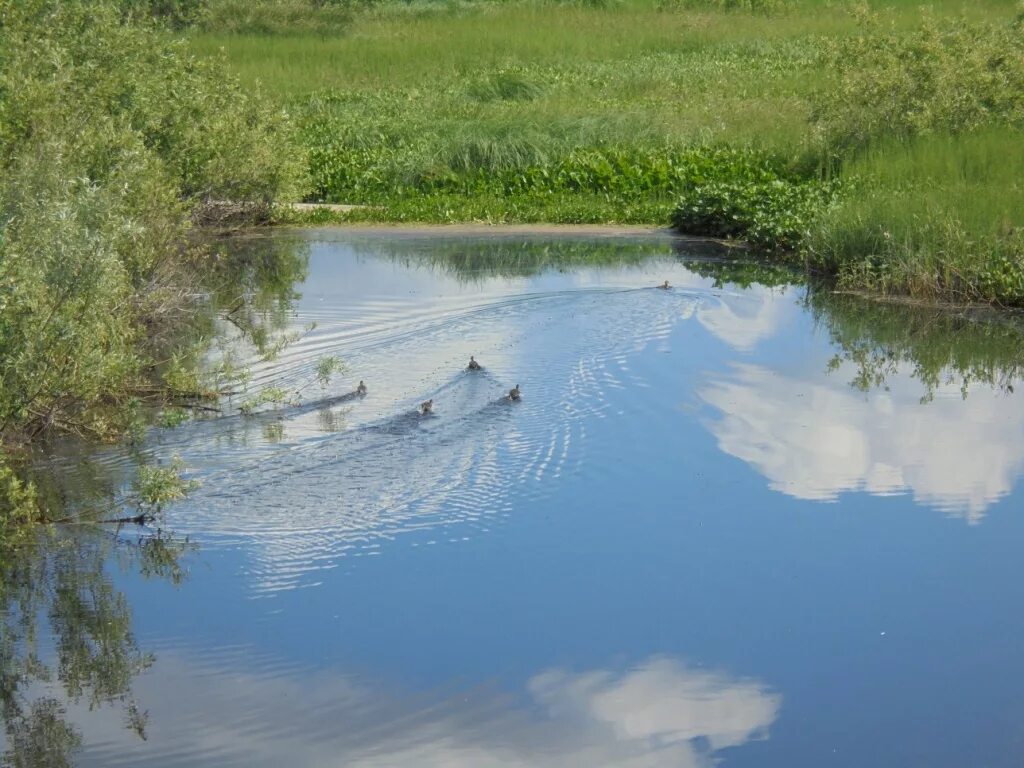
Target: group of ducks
[[427, 406]]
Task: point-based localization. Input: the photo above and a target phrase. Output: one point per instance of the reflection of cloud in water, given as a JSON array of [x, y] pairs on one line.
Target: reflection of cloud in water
[[814, 441], [308, 495], [661, 713], [444, 477], [743, 320]]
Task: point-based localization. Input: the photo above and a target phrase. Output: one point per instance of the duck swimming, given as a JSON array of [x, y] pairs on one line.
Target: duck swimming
[[361, 389], [473, 364], [665, 286], [427, 406], [513, 394]]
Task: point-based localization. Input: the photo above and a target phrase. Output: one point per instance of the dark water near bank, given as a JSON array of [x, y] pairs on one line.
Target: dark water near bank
[[739, 521]]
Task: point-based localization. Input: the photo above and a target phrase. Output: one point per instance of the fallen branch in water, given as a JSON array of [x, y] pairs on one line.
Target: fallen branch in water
[[139, 519], [198, 407]]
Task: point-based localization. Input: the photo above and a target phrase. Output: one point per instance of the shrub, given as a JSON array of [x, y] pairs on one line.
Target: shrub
[[771, 215], [110, 134], [945, 77]]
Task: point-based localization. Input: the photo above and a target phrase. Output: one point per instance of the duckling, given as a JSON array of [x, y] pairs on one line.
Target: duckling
[[427, 406], [473, 364], [665, 286], [361, 389], [513, 394]]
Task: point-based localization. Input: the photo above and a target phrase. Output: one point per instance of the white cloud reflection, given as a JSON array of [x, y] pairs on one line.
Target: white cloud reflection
[[817, 440], [744, 320], [660, 714]]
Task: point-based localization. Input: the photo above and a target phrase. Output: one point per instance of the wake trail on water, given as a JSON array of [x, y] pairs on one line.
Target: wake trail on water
[[340, 475]]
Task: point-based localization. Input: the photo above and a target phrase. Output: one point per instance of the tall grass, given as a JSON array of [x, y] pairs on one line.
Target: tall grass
[[271, 17], [384, 48], [939, 216]]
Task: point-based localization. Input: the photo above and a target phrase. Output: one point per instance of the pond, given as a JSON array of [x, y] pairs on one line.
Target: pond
[[743, 521]]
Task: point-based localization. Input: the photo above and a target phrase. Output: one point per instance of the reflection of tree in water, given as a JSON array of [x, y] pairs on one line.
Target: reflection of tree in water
[[55, 589], [940, 346], [60, 579], [469, 259], [254, 281], [247, 291], [743, 273]]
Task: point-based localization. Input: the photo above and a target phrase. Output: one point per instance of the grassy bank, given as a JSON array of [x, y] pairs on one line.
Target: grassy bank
[[720, 115]]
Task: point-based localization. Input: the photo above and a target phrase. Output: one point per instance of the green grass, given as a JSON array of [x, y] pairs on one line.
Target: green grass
[[940, 216], [389, 48], [616, 112]]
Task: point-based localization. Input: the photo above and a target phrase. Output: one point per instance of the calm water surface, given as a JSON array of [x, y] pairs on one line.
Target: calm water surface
[[737, 522]]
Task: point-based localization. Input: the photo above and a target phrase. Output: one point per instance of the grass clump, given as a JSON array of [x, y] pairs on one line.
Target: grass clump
[[506, 86], [938, 217]]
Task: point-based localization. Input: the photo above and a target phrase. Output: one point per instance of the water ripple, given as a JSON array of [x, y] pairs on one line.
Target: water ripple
[[339, 476]]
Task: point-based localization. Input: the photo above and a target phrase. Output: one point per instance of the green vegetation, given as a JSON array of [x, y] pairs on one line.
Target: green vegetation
[[937, 218], [157, 485], [112, 136], [774, 121], [929, 126], [60, 586], [870, 143], [270, 17], [940, 347], [879, 338]]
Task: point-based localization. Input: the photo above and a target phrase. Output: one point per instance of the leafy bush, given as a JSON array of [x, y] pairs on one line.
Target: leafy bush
[[944, 77], [771, 215], [110, 135]]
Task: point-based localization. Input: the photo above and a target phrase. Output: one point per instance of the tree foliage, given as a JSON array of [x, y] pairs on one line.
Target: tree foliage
[[111, 136]]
